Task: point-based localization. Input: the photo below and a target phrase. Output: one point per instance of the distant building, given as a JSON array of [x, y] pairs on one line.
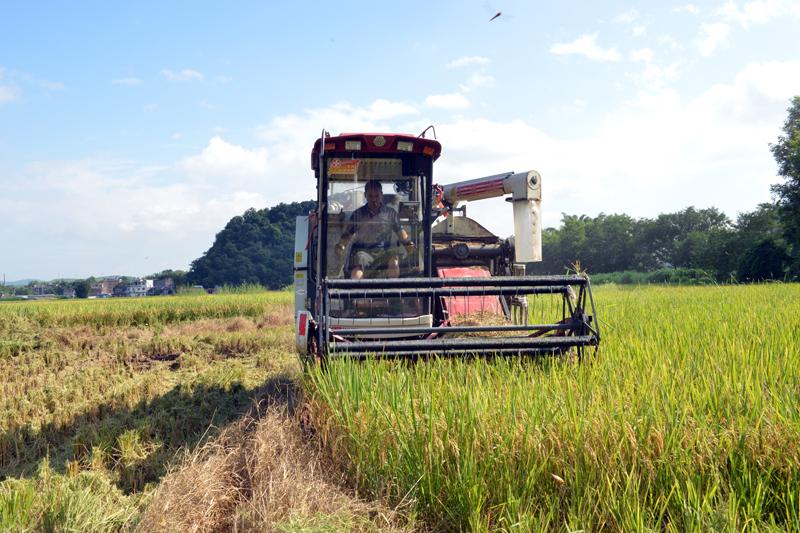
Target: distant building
[[120, 290], [164, 286], [104, 287], [68, 292], [140, 287], [40, 290]]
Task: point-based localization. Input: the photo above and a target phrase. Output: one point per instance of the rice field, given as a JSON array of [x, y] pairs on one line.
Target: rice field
[[687, 419], [99, 398]]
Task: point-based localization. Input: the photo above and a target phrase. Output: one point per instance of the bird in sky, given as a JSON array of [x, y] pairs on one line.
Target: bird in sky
[[497, 15]]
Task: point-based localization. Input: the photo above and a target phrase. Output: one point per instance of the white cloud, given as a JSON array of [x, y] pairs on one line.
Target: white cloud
[[53, 85], [578, 105], [655, 77], [186, 74], [759, 93], [186, 208], [586, 45], [627, 17], [686, 8], [668, 41], [290, 137], [447, 101], [149, 108], [477, 80], [641, 54], [126, 81], [468, 60], [632, 18], [382, 109], [758, 11], [220, 158], [83, 195], [712, 36], [145, 225], [291, 131], [8, 92]]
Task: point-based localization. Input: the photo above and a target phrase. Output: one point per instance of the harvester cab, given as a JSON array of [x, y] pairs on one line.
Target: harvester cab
[[389, 265]]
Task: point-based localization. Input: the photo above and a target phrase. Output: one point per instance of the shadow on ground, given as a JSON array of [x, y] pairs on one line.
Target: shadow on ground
[[138, 442]]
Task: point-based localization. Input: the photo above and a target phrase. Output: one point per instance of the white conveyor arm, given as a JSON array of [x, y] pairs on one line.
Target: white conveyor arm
[[525, 189]]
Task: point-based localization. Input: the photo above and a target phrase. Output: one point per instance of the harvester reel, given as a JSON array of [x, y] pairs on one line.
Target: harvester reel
[[574, 330]]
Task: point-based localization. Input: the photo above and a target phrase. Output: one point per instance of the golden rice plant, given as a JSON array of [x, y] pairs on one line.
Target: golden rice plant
[[686, 419]]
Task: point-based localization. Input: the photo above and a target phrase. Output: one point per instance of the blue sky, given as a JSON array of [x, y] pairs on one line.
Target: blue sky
[[129, 134]]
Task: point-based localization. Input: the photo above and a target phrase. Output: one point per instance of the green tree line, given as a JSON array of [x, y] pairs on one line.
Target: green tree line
[[753, 247]]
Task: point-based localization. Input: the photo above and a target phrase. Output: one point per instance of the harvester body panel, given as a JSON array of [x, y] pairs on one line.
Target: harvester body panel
[[301, 245], [467, 305]]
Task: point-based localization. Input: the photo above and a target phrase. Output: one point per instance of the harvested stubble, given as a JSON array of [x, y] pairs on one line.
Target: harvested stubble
[[262, 474], [96, 398], [100, 398]]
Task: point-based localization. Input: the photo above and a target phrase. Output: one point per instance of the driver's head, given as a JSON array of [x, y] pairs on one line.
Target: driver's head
[[374, 194]]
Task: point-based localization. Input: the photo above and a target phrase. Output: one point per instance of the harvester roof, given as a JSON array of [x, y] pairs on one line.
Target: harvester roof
[[352, 144]]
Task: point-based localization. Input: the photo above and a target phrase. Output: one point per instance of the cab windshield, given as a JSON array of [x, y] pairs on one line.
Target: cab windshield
[[374, 219]]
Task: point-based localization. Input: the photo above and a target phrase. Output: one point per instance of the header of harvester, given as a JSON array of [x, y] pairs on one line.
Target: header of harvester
[[376, 143]]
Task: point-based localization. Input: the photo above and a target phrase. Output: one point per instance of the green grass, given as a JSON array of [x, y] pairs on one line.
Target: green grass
[[49, 501], [688, 419]]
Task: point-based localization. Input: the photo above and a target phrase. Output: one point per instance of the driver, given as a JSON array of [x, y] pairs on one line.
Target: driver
[[370, 228]]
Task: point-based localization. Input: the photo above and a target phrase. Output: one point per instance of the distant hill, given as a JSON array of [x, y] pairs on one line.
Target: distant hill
[[19, 283], [253, 248]]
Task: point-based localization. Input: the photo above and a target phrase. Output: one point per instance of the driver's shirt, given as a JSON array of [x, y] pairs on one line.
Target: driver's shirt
[[373, 230]]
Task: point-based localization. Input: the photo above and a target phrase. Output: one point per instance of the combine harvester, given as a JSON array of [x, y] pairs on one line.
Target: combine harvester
[[389, 265]]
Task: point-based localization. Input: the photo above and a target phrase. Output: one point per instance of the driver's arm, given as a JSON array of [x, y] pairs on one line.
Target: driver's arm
[[341, 246], [402, 234]]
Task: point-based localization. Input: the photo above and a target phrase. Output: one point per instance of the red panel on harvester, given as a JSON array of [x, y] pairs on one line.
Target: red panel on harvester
[[465, 305]]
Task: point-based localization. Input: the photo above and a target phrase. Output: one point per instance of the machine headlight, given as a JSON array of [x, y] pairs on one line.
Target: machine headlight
[[352, 145]]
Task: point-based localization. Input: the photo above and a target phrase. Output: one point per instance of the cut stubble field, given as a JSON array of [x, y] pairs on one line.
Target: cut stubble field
[[194, 413]]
